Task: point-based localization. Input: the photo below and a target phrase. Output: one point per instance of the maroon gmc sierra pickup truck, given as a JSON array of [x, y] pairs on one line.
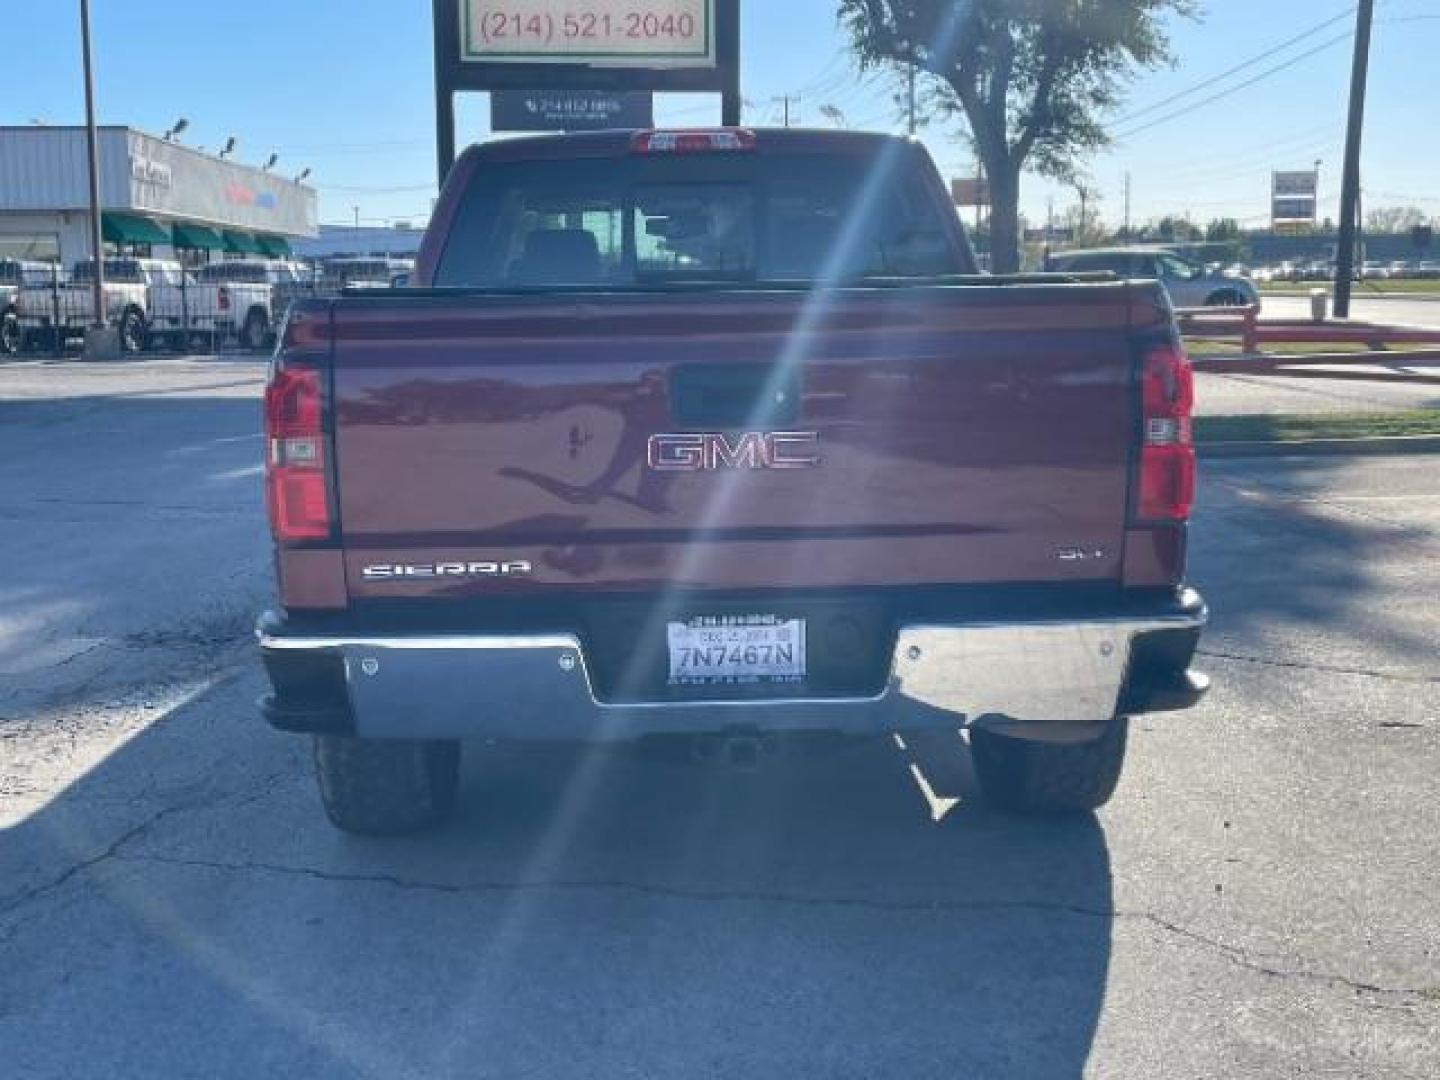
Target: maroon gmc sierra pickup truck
[[721, 434]]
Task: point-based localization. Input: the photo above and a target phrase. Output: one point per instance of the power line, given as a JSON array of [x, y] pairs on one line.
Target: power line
[[402, 190], [1266, 74], [1236, 69]]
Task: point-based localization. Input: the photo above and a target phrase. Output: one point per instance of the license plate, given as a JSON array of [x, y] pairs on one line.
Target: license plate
[[737, 650]]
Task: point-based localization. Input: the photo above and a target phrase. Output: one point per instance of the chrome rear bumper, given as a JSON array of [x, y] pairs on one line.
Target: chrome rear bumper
[[1049, 679]]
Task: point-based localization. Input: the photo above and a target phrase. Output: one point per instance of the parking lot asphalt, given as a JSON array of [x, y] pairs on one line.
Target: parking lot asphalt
[[1259, 899]]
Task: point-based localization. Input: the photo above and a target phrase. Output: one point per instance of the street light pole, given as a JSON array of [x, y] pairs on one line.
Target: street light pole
[[1350, 184], [92, 139]]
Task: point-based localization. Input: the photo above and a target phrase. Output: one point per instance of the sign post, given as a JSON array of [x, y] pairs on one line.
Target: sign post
[[557, 47]]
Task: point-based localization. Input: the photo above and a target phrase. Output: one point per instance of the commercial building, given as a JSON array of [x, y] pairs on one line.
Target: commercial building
[[399, 242], [157, 198]]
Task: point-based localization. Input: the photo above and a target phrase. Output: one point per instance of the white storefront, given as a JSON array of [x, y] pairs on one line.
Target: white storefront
[[154, 194]]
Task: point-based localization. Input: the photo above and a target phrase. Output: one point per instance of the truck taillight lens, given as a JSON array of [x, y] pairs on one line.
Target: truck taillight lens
[[224, 299], [295, 484], [721, 141], [1166, 483]]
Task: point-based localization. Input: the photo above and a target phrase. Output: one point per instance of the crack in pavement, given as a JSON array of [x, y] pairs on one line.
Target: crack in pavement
[[1327, 669], [12, 903], [1233, 953], [9, 905]]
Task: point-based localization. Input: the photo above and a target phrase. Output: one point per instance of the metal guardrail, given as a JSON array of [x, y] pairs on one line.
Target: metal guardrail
[[1245, 326]]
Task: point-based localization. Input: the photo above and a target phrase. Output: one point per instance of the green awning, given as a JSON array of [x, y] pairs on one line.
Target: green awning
[[196, 237], [277, 247], [127, 229], [240, 243]]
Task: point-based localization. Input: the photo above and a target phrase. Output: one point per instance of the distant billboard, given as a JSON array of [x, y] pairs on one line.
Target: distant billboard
[[569, 110], [613, 33], [1294, 197], [1297, 184]]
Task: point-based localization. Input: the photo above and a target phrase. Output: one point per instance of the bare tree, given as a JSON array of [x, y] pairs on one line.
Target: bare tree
[[1394, 219], [1033, 79]]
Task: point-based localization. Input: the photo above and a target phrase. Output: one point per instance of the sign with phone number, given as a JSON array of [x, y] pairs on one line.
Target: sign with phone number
[[620, 33]]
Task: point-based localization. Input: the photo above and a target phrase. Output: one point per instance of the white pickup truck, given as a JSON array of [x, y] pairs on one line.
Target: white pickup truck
[[127, 298], [246, 298], [373, 272], [15, 276]]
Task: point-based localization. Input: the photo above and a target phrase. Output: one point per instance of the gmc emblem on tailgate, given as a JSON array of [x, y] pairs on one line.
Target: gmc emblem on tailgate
[[751, 450]]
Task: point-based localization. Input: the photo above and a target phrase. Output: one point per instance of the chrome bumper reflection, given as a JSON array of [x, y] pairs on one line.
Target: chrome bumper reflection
[[1010, 674]]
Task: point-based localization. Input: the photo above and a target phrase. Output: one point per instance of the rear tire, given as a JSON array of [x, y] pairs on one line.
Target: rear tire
[[133, 335], [1049, 778], [256, 331], [376, 788], [10, 335]]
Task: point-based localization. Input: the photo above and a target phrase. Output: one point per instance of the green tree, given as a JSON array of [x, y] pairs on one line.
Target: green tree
[[1171, 230], [1033, 79], [1222, 229]]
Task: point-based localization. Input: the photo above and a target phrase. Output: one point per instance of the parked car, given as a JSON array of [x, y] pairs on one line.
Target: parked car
[[1374, 271], [664, 447], [126, 300], [1189, 285]]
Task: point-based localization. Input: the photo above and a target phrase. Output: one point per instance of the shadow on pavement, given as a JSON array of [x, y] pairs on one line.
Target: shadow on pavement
[[126, 522], [590, 913], [1304, 542]]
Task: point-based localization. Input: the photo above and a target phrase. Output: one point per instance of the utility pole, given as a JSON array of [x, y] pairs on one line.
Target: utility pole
[[1350, 184], [1127, 206], [982, 196], [785, 99], [92, 144], [1049, 229]]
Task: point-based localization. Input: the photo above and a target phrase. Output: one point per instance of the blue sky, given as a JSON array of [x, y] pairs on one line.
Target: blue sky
[[344, 87]]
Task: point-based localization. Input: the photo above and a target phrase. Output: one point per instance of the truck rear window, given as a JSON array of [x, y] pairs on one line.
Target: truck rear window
[[708, 218]]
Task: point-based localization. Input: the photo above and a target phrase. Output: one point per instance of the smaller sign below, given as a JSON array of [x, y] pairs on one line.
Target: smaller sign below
[[970, 191], [1293, 209], [1056, 235], [569, 110]]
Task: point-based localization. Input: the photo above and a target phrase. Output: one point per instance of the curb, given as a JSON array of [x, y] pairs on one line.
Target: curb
[[1373, 447], [1424, 298]]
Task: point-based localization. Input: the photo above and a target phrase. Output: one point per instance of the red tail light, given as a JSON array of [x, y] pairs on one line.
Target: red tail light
[[295, 484], [224, 299], [1166, 483], [721, 141]]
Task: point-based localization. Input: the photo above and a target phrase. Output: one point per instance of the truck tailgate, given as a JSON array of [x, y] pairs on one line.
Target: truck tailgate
[[627, 442]]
